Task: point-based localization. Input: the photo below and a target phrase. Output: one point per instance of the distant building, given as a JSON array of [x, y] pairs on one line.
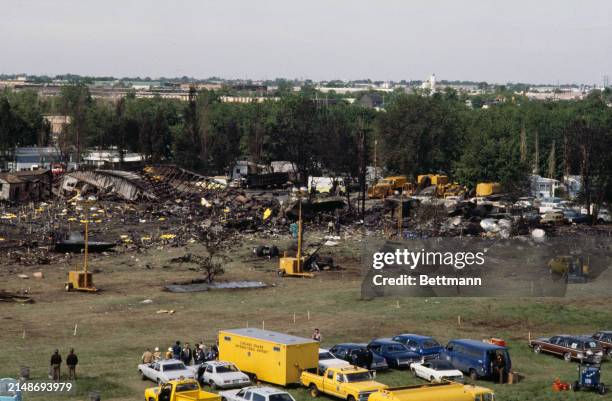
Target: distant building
[[28, 158], [25, 186], [542, 187], [58, 124], [109, 157], [372, 100]]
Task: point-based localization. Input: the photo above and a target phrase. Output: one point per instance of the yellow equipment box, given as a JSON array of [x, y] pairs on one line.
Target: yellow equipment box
[[272, 357], [488, 188]]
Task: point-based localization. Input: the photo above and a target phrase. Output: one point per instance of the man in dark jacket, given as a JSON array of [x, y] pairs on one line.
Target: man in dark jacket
[[186, 355], [56, 362], [176, 350], [72, 361]]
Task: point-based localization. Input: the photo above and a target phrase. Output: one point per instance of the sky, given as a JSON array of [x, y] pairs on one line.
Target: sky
[[534, 41]]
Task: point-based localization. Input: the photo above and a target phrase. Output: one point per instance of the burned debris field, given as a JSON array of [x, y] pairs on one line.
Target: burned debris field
[[177, 255]]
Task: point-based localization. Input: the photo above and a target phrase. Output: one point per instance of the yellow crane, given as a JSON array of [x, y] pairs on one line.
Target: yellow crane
[[294, 266], [82, 280]]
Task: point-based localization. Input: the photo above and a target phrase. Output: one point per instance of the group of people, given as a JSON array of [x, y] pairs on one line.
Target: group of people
[[197, 355], [56, 364]]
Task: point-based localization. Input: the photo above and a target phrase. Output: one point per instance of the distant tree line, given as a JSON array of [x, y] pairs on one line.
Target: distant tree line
[[415, 134]]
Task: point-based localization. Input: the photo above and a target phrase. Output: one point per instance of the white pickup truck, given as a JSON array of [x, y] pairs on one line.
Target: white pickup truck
[[165, 371]]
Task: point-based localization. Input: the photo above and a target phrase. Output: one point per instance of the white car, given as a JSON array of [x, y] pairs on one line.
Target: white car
[[164, 371], [327, 360], [219, 374], [256, 393], [436, 371]]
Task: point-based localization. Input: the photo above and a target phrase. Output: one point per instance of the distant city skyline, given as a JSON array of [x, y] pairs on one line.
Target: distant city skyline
[[536, 42]]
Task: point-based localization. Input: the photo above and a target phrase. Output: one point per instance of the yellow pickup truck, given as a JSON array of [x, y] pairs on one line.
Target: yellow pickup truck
[[445, 391], [180, 390], [350, 383]]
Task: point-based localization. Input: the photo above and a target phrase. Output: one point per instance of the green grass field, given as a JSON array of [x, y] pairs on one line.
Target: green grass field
[[114, 327]]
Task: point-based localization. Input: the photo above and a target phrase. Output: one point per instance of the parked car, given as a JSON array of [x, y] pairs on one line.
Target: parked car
[[553, 218], [603, 216], [426, 347], [8, 390], [354, 353], [165, 371], [580, 348], [328, 360], [436, 371], [396, 354], [573, 217], [220, 374], [256, 393], [475, 358], [605, 339]]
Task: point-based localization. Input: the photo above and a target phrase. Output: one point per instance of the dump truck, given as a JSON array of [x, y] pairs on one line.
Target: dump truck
[[446, 391], [268, 356], [488, 188], [180, 390], [388, 185], [349, 383]]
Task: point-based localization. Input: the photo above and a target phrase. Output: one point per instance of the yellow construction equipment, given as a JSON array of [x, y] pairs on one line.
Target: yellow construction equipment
[[387, 186], [294, 266], [488, 188], [82, 280]]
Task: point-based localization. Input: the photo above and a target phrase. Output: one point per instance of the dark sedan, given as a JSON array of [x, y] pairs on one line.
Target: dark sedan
[[396, 354], [425, 346], [359, 355], [578, 348]]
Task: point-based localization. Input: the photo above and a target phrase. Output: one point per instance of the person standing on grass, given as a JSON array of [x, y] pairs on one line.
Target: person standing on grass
[[316, 335], [186, 355], [72, 361], [176, 350], [56, 363], [156, 355], [147, 357]]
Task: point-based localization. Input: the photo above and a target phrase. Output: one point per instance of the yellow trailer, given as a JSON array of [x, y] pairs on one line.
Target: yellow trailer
[[269, 356], [446, 391]]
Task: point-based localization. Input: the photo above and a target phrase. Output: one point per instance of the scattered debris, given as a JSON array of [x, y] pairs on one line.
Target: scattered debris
[[230, 285]]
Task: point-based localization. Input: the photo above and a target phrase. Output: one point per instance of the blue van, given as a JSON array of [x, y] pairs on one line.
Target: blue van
[[425, 346], [476, 358]]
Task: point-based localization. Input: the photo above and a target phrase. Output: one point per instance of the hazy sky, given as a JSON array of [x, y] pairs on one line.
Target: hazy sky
[[544, 41]]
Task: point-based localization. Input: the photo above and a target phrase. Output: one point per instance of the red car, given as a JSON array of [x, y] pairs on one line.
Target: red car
[[578, 348]]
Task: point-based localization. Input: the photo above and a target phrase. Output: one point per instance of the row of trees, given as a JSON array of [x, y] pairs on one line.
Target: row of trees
[[415, 134]]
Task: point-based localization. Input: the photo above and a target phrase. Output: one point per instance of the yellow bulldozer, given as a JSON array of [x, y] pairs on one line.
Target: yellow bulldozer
[[389, 185]]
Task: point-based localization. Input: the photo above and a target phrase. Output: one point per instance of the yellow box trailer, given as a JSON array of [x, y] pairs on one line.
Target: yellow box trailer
[[271, 357]]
